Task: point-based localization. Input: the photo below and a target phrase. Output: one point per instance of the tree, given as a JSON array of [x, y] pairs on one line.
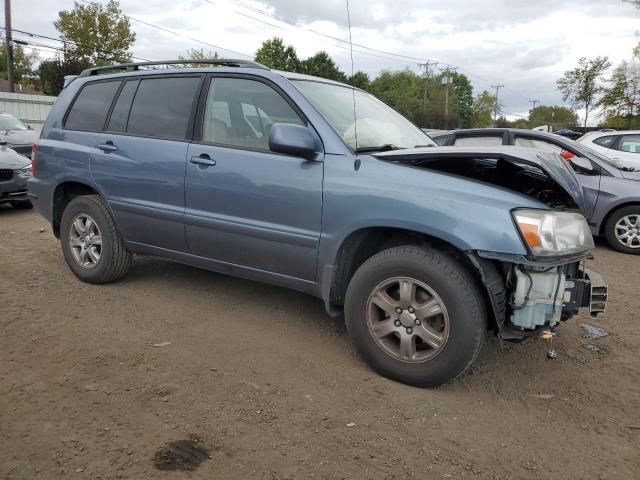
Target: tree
[[483, 107], [100, 33], [199, 54], [401, 89], [322, 65], [360, 80], [581, 85], [273, 54], [52, 72], [557, 116], [621, 97], [464, 94], [23, 63]]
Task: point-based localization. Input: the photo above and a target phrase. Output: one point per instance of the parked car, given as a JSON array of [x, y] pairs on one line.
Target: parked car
[[611, 190], [17, 135], [622, 147], [242, 170], [14, 172], [567, 132]]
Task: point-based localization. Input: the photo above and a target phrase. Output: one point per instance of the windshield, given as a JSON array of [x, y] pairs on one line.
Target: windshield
[[9, 122], [378, 125]]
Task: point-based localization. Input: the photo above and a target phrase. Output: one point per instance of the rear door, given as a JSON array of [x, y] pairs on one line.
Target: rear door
[[245, 205], [139, 159]]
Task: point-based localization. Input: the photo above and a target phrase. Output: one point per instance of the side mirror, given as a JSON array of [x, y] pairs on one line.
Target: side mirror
[[291, 139], [582, 164]]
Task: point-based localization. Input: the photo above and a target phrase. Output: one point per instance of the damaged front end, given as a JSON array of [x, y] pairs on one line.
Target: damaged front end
[[550, 283], [527, 297]]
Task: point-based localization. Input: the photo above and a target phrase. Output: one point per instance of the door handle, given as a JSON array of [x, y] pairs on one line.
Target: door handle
[[203, 159], [107, 146]]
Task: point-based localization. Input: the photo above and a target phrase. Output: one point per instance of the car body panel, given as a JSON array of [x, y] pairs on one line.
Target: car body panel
[[631, 159]]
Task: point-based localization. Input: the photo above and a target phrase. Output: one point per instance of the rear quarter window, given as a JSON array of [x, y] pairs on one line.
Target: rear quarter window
[[537, 143], [607, 141], [91, 106]]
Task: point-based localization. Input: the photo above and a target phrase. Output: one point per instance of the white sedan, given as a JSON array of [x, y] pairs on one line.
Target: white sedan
[[623, 147]]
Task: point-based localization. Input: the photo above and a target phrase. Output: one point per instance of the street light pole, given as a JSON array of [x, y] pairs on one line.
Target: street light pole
[[9, 45]]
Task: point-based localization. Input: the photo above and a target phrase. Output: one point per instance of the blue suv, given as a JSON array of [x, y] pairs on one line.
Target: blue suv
[[314, 185]]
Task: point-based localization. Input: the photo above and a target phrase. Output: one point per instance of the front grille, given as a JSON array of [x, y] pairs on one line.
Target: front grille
[[6, 174], [23, 150]]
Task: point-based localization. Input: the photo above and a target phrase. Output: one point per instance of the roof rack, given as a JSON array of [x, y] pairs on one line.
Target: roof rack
[[130, 67]]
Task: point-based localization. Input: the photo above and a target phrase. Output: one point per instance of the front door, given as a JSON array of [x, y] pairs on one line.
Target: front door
[[245, 205]]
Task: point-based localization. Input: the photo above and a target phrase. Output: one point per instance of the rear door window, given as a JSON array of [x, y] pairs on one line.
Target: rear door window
[[630, 143], [478, 141], [162, 107], [607, 141], [91, 106]]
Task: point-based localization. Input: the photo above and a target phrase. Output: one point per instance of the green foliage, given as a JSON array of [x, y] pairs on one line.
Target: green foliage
[[557, 116], [52, 72], [464, 94], [621, 97], [199, 54], [360, 80], [275, 55], [483, 107], [582, 85], [322, 65], [101, 33], [23, 63], [401, 89]]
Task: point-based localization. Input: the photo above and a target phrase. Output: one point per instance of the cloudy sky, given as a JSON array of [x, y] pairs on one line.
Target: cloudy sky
[[523, 44]]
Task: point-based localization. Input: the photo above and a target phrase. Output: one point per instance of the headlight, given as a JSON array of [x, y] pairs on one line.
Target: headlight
[[24, 171], [549, 234]]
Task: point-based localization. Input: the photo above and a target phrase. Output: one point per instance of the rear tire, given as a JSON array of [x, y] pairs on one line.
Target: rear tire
[[438, 284], [624, 221], [92, 246], [22, 205]]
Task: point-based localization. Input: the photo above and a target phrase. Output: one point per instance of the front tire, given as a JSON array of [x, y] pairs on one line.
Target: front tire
[[622, 230], [92, 246], [415, 315]]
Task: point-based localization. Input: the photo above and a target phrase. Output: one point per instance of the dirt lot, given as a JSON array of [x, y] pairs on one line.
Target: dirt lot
[[266, 383]]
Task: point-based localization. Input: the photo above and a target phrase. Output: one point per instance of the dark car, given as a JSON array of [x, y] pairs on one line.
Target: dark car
[[262, 174], [611, 190], [17, 135], [15, 170]]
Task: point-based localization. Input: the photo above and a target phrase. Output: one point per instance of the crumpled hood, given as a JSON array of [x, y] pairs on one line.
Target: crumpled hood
[[550, 163], [12, 160], [18, 137]]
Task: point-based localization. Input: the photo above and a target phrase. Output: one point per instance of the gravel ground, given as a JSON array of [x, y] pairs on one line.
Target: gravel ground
[[179, 373]]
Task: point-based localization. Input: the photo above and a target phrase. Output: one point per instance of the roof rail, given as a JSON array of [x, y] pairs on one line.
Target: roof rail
[[129, 67]]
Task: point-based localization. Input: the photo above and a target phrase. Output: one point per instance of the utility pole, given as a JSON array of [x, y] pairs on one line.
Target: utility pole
[[446, 80], [9, 45], [426, 79], [534, 103], [495, 110]]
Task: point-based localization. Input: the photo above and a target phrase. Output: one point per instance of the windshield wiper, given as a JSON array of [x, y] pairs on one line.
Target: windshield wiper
[[380, 148]]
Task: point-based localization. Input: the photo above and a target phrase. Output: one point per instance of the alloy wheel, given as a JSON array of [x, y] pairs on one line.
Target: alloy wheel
[[85, 241]]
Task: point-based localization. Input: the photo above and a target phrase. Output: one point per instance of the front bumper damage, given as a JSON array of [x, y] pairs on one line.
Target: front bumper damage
[[527, 297]]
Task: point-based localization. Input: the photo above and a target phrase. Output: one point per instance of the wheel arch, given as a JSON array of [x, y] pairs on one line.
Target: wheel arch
[[63, 194], [612, 210], [363, 243]]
